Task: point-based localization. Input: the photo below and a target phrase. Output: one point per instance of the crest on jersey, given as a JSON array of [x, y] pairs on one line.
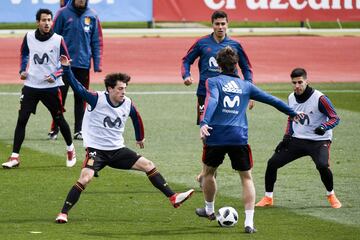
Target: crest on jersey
[[87, 20], [90, 162]]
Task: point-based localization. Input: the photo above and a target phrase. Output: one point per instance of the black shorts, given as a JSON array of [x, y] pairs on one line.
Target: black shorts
[[30, 98], [123, 158], [200, 108], [240, 156], [319, 151]]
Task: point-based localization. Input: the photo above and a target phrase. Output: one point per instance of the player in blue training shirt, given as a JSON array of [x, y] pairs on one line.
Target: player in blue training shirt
[[310, 138], [103, 128], [206, 49], [224, 130]]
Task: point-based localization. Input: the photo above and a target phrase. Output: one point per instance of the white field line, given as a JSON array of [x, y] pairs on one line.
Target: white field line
[[192, 93]]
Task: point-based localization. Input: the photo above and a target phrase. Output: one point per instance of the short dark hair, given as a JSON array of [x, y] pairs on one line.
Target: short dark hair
[[112, 78], [219, 14], [43, 11], [298, 72], [227, 59]]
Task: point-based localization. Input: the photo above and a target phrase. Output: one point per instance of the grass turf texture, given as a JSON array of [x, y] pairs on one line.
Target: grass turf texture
[[122, 204]]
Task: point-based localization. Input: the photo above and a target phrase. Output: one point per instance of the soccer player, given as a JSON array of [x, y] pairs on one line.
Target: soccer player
[[81, 29], [40, 51], [206, 49], [103, 127], [224, 130], [311, 137]]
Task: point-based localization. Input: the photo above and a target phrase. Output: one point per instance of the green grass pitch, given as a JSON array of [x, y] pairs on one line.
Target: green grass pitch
[[124, 205]]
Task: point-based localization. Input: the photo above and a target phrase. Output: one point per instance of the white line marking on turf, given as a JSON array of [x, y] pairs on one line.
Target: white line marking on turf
[[35, 232], [187, 92]]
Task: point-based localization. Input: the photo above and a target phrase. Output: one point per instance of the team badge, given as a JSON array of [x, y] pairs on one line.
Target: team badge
[[87, 20], [91, 159], [90, 162]]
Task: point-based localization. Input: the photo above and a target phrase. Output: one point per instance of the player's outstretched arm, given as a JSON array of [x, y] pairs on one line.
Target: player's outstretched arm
[[78, 88], [264, 97]]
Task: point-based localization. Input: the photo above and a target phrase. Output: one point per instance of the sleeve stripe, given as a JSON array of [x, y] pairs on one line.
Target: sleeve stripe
[[184, 59], [63, 45], [206, 99], [24, 54], [326, 105], [138, 123], [288, 130], [250, 66], [142, 135], [101, 43]]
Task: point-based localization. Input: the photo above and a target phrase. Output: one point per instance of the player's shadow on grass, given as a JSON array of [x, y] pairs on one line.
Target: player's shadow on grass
[[122, 192], [179, 231], [306, 207]]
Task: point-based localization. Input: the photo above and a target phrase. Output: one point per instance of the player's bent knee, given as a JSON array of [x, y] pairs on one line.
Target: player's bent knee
[[85, 180], [148, 165], [272, 163], [86, 176], [144, 165]]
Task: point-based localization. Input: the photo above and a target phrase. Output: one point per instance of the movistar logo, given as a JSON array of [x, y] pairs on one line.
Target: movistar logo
[[111, 124], [213, 63], [303, 119], [38, 60], [231, 87], [230, 103]]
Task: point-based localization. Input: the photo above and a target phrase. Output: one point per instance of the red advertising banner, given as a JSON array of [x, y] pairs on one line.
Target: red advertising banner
[[258, 10]]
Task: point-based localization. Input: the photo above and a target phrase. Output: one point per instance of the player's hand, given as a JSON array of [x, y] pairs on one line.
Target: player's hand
[[251, 104], [23, 75], [320, 130], [140, 143], [188, 81], [98, 70], [64, 60], [50, 78], [300, 117], [204, 131], [283, 145]]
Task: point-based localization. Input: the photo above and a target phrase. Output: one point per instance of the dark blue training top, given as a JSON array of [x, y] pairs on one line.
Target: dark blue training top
[[206, 48], [226, 102]]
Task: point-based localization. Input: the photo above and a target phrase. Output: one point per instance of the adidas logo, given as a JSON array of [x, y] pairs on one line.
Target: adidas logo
[[231, 87]]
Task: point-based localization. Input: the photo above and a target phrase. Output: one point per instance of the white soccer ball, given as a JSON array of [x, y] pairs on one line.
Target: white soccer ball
[[227, 217]]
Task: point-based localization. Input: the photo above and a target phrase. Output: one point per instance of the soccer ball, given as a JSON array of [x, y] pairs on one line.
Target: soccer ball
[[227, 217]]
